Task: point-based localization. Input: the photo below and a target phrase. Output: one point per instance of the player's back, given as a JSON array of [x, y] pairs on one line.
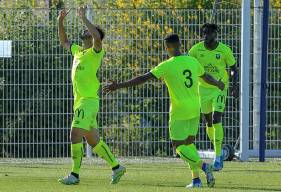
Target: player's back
[[182, 77]]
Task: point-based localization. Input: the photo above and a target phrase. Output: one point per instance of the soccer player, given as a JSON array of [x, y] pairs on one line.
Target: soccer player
[[215, 57], [181, 75], [86, 62]]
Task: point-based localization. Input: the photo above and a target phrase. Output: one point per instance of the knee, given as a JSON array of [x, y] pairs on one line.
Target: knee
[[93, 142], [75, 137], [208, 119], [189, 140], [217, 117], [209, 124]]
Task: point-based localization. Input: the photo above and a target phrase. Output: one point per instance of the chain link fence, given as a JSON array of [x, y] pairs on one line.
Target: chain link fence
[[36, 93]]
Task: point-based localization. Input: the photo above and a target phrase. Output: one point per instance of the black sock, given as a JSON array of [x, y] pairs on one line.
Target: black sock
[[116, 167], [75, 175]]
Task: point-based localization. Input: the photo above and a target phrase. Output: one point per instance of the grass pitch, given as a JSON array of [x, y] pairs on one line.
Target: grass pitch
[[170, 176]]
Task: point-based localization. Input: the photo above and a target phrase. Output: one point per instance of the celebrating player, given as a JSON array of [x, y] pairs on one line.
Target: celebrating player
[[215, 57], [181, 75], [86, 62]]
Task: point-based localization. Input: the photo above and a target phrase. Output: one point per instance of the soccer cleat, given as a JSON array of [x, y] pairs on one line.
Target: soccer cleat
[[217, 165], [195, 184], [208, 170], [117, 174], [69, 180]]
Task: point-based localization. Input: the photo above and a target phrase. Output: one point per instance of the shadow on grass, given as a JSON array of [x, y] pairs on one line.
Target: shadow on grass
[[253, 171], [245, 188], [151, 184]]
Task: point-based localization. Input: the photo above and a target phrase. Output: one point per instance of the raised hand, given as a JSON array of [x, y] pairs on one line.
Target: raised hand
[[82, 12], [62, 14]]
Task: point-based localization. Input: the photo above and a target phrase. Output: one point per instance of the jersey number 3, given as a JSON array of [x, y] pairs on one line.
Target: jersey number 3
[[189, 82]]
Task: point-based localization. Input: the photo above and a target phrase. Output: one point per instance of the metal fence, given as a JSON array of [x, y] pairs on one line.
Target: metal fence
[[36, 93]]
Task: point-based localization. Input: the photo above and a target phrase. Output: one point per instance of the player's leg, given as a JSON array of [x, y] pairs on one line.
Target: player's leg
[[189, 154], [76, 137], [219, 105], [209, 126], [103, 151], [206, 101], [182, 133], [99, 146]]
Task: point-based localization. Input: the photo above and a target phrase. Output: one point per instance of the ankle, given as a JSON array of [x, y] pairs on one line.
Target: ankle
[[204, 167], [196, 180], [116, 167], [75, 175]]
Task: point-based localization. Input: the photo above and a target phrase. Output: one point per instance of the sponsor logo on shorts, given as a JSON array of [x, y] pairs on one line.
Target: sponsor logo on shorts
[[79, 113], [221, 99], [80, 68]]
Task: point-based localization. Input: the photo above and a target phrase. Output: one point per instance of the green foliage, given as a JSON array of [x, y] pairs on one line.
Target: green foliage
[[36, 88]]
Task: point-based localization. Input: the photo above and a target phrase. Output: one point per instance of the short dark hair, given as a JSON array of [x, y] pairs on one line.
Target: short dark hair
[[102, 33], [172, 38], [210, 26]]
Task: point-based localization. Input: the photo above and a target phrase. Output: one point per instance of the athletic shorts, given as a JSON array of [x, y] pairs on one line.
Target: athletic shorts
[[212, 99], [85, 114], [181, 129]]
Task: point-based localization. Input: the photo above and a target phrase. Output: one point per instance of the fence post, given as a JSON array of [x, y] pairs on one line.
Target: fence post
[[263, 80], [89, 14], [244, 90]]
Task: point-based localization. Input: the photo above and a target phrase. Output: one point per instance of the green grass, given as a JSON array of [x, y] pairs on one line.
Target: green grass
[[172, 177]]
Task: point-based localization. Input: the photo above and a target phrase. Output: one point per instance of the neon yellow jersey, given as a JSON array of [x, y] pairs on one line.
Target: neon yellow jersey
[[84, 72], [214, 62], [181, 76]]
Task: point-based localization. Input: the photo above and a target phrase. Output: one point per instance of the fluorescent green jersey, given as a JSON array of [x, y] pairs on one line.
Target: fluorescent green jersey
[[214, 62], [181, 75], [84, 72]]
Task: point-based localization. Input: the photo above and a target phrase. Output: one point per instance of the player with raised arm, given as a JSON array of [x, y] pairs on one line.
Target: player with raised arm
[[86, 62], [181, 75], [215, 57]]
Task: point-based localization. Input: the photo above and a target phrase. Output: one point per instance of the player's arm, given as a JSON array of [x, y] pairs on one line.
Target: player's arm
[[92, 29], [212, 81], [130, 83], [233, 73], [61, 30]]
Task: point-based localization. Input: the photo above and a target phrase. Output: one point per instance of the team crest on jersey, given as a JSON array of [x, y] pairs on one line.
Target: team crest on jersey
[[218, 56]]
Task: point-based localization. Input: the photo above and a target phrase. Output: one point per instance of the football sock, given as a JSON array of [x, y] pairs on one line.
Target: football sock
[[76, 156], [103, 151], [218, 138], [194, 170], [211, 134], [189, 154]]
